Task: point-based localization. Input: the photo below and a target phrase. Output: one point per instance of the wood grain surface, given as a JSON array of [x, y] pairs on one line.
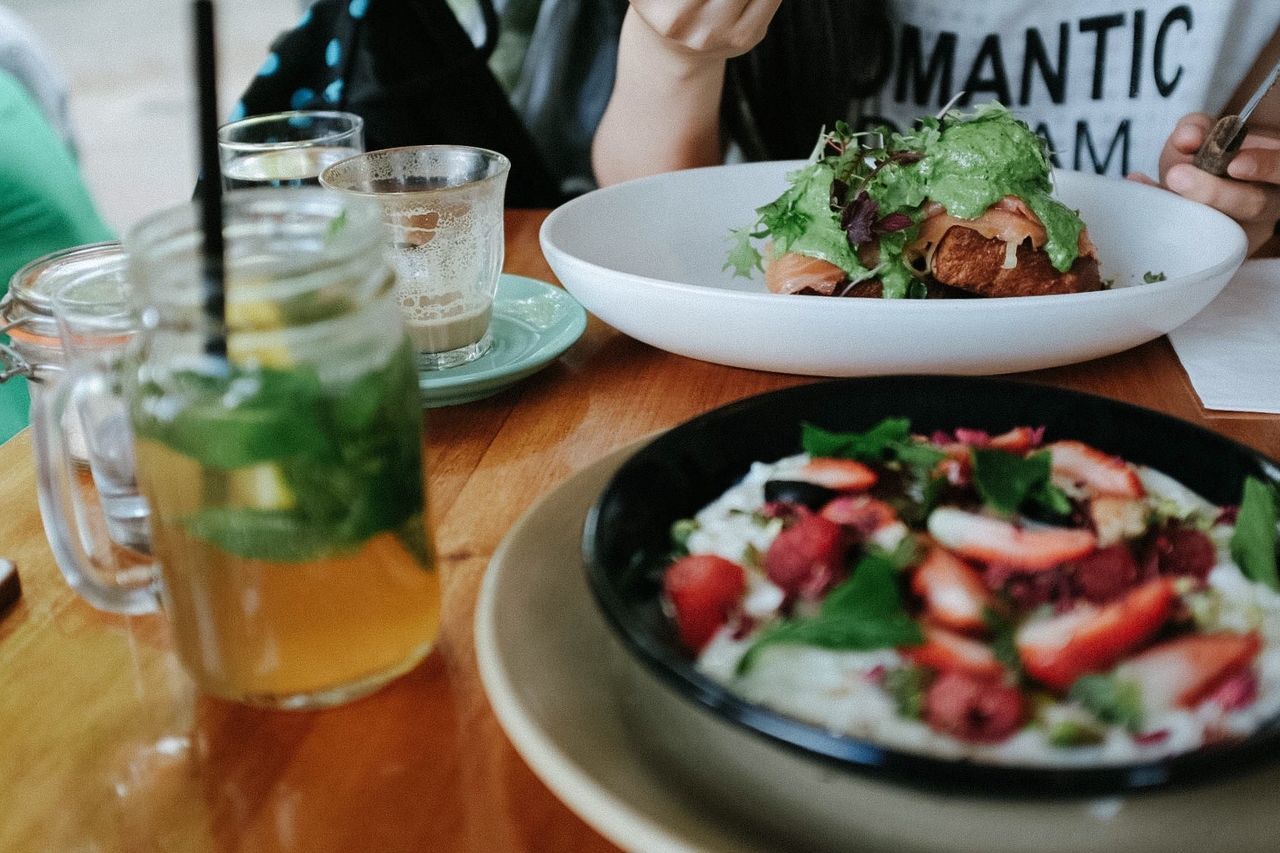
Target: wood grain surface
[[104, 744]]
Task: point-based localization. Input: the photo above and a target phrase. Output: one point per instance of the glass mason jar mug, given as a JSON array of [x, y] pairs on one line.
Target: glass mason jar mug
[[284, 478], [94, 440]]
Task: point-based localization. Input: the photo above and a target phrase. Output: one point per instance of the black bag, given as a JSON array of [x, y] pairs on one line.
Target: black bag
[[410, 71]]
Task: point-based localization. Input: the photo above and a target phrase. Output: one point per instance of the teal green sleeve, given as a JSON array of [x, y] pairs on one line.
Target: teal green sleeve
[[44, 205]]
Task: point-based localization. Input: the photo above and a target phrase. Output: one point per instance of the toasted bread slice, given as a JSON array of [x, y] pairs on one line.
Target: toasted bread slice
[[971, 262]]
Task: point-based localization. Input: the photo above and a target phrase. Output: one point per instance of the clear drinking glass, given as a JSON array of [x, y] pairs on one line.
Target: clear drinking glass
[[285, 478], [286, 149], [96, 323], [443, 204]]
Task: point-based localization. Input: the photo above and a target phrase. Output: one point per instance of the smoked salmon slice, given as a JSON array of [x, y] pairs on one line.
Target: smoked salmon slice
[[796, 273]]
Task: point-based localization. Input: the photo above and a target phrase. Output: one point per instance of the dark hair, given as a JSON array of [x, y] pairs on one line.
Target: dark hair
[[818, 58]]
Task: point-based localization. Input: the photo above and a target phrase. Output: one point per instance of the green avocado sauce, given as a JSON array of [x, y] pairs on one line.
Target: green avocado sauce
[[966, 163]]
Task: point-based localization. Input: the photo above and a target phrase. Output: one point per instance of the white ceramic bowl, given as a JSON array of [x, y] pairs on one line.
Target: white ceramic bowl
[[647, 257]]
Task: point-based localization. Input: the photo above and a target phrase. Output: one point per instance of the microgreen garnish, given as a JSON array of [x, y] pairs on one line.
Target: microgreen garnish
[[1006, 481], [864, 612], [1253, 544]]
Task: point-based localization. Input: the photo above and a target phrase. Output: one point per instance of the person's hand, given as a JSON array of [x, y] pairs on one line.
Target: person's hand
[[704, 30], [1251, 192]]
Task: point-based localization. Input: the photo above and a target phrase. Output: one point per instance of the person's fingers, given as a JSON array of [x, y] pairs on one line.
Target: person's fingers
[[1244, 202], [709, 27], [1256, 164], [1260, 139], [759, 13], [1190, 132], [751, 24], [1141, 178], [1184, 140]]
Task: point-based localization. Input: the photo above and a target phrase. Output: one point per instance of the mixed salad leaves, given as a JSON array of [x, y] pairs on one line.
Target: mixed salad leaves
[[1017, 584], [871, 189]]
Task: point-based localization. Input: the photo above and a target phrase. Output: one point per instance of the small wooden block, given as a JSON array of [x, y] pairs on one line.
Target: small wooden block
[[10, 586], [1220, 146]]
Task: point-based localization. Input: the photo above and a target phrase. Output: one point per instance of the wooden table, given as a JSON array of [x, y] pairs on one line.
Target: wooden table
[[105, 746]]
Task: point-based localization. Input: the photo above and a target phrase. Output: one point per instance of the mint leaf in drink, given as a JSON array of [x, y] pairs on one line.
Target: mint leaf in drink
[[349, 455], [1253, 544], [256, 534], [863, 613], [233, 421]]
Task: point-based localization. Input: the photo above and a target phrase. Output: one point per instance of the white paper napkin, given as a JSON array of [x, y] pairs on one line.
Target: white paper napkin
[[1231, 349]]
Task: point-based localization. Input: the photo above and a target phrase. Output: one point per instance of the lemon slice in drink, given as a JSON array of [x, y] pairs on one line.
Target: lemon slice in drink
[[259, 487], [262, 340]]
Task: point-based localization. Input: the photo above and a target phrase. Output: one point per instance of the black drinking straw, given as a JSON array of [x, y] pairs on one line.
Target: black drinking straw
[[214, 254]]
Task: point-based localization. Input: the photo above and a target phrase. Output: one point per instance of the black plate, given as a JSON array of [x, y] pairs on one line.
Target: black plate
[[627, 538]]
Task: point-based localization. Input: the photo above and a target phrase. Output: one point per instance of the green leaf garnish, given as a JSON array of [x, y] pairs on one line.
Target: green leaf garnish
[[903, 556], [1253, 544], [889, 440], [681, 530], [1110, 699], [1003, 631], [863, 613], [743, 257], [1005, 481], [1152, 277], [907, 686], [1069, 733]]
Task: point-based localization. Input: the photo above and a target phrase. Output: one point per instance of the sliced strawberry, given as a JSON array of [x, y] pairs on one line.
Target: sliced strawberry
[[1058, 650], [973, 708], [1181, 672], [807, 557], [704, 590], [947, 651], [953, 592], [957, 468], [843, 475], [1017, 440], [990, 540], [1078, 464], [864, 514]]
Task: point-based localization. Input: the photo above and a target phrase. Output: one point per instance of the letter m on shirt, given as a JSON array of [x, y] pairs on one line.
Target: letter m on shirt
[[924, 76]]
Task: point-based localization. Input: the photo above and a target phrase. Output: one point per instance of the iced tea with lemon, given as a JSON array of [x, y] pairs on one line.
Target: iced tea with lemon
[[288, 521], [285, 475]]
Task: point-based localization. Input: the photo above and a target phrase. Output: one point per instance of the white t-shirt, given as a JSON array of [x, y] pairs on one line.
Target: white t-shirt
[[1103, 81]]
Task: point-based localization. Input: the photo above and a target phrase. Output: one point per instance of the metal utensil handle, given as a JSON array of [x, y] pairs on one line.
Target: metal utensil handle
[[1220, 146]]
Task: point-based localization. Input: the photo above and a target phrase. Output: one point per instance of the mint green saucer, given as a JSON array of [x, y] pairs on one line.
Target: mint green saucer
[[533, 323]]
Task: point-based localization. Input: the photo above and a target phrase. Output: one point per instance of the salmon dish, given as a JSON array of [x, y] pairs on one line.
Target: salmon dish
[[1011, 598], [962, 206]]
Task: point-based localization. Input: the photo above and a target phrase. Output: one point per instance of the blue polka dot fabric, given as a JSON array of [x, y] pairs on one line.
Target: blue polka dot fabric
[[270, 65], [409, 69]]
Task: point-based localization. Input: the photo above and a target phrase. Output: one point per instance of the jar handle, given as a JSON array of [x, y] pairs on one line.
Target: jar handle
[[107, 574]]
